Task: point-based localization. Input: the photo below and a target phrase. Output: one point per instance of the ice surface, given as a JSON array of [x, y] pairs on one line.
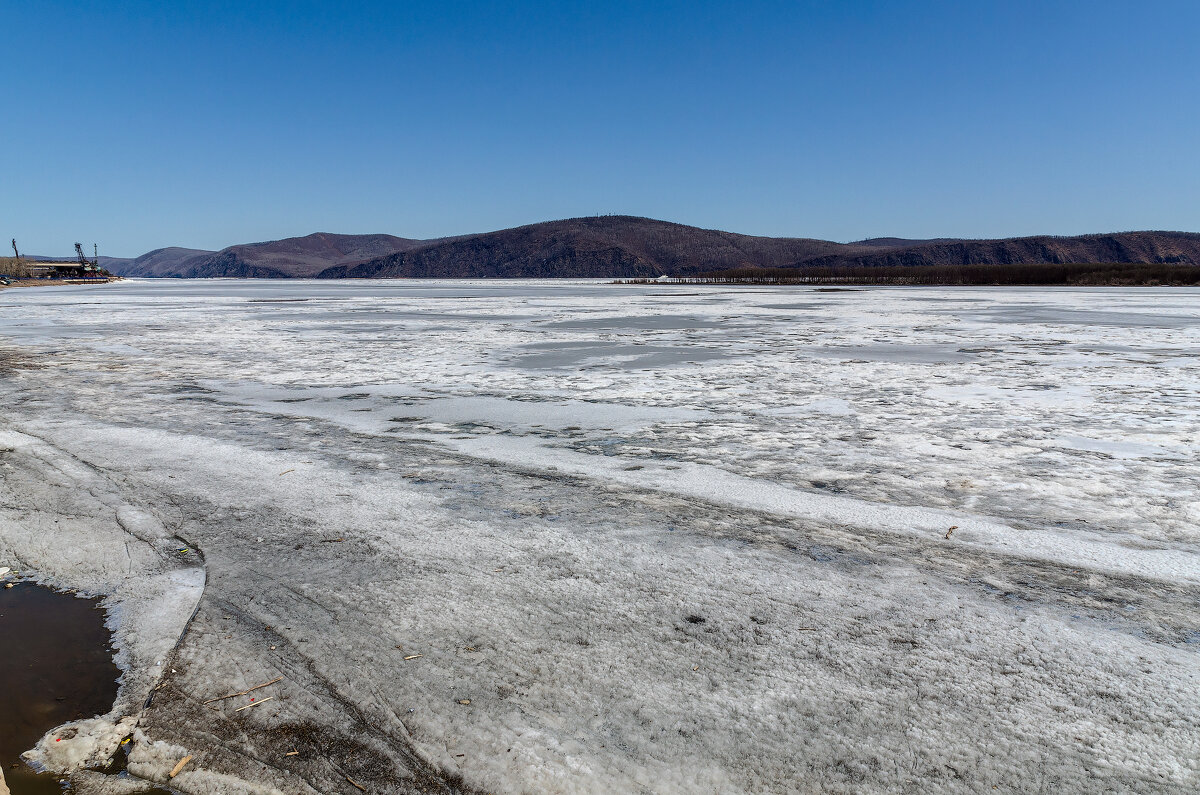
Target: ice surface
[[661, 540]]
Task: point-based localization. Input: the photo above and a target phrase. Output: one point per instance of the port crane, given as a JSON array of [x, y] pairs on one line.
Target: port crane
[[83, 260]]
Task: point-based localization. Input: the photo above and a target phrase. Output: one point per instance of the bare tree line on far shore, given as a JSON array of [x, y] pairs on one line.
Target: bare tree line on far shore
[[1080, 274], [16, 268]]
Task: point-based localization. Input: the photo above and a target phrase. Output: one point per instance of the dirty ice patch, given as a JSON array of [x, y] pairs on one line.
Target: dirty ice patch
[[1122, 449], [1059, 316], [614, 354], [637, 322], [833, 407], [905, 354], [377, 408], [1069, 548]]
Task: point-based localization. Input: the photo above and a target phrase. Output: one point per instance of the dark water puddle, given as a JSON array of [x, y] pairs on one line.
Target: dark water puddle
[[56, 665]]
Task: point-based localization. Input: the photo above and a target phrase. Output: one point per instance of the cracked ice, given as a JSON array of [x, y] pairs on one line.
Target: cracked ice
[[573, 537]]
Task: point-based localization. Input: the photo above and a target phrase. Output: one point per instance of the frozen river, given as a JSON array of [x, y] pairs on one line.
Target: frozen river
[[574, 537]]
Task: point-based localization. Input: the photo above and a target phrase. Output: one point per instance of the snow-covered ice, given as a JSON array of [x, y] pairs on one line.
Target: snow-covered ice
[[658, 539]]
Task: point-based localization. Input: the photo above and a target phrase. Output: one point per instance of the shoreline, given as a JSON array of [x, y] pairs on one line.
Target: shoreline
[[57, 282]]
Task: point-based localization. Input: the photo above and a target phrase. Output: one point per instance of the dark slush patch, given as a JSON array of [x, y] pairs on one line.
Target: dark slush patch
[[56, 665]]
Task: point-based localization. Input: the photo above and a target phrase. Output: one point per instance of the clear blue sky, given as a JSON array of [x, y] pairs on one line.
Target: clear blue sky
[[203, 124]]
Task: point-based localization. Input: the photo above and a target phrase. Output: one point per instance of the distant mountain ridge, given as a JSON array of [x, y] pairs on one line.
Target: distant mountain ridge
[[630, 247], [159, 262], [599, 247], [293, 257]]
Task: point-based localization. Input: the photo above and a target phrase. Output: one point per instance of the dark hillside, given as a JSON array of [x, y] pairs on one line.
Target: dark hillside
[[308, 255], [596, 247], [628, 247], [1146, 247], [293, 257], [170, 261]]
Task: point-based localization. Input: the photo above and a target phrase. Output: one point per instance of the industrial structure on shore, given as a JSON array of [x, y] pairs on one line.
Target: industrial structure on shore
[[80, 268]]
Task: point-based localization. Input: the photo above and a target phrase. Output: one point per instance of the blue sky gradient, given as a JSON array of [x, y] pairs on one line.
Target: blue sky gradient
[[203, 124]]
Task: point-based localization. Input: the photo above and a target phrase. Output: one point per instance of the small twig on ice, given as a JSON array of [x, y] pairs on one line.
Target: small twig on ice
[[179, 766], [254, 704], [244, 692]]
